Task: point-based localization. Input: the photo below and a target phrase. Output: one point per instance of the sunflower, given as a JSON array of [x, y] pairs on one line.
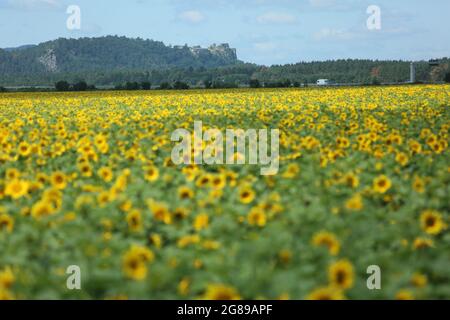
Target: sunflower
[[355, 203], [42, 178], [185, 192], [16, 188], [381, 184], [342, 142], [404, 295], [415, 147], [5, 295], [105, 173], [292, 171], [59, 180], [221, 292], [246, 195], [328, 240], [160, 211], [135, 261], [219, 181], [431, 222], [42, 209], [201, 222], [156, 240], [341, 274], [183, 287], [6, 222], [24, 149], [133, 267], [418, 185], [12, 174], [126, 205], [210, 244], [257, 217], [85, 169], [419, 280], [326, 293], [422, 243], [203, 181], [104, 198], [54, 197], [151, 173], [351, 180], [7, 278], [402, 159], [180, 213], [187, 240], [134, 220]]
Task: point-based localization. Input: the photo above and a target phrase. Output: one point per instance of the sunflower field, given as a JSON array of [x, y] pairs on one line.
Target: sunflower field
[[86, 179]]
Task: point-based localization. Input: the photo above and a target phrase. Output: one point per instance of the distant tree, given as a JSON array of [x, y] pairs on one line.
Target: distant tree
[[80, 86], [132, 86], [224, 85], [146, 85], [208, 84], [296, 84], [165, 86], [180, 85], [2, 89], [254, 83], [62, 86], [91, 87], [286, 83], [447, 77]]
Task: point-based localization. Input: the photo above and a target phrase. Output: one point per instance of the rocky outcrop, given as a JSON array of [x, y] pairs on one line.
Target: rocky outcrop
[[49, 61]]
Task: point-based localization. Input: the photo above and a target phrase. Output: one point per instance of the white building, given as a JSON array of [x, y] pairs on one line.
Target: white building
[[323, 82]]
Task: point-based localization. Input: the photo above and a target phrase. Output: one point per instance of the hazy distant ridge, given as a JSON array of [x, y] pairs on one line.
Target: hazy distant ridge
[[109, 54]]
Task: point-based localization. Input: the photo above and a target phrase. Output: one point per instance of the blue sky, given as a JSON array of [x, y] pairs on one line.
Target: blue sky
[[263, 31]]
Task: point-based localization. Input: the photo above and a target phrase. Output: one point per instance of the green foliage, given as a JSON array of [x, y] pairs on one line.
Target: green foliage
[[447, 77], [146, 85], [109, 61], [80, 86], [165, 86], [207, 84], [180, 85], [62, 86], [254, 83], [132, 86]]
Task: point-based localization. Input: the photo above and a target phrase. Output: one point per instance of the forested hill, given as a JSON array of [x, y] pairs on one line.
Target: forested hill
[[115, 60], [106, 54]]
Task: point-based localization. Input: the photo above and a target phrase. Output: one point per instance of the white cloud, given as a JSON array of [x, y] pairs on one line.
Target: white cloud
[[322, 3], [192, 16], [33, 4], [334, 34], [264, 46], [276, 17]]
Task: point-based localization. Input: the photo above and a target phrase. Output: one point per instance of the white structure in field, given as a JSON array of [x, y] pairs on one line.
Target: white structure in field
[[323, 82], [412, 73]]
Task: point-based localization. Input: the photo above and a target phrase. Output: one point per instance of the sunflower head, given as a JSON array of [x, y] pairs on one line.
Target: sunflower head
[[431, 222], [221, 292], [382, 184], [341, 274]]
